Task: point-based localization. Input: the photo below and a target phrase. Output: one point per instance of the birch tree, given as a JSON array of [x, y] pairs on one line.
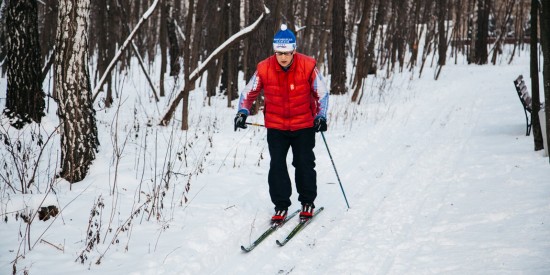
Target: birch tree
[[79, 138]]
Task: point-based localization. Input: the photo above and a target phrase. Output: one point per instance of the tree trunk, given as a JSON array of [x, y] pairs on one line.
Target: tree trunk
[[507, 17], [174, 48], [106, 38], [442, 6], [196, 41], [414, 36], [324, 35], [162, 45], [24, 97], [79, 139], [545, 35], [473, 29], [231, 58], [482, 31], [534, 72], [305, 42], [369, 64], [361, 50], [442, 37], [48, 17], [338, 68], [403, 26], [214, 35], [187, 66]]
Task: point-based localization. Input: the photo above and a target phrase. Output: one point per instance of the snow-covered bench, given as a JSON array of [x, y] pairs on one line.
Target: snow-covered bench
[[525, 99]]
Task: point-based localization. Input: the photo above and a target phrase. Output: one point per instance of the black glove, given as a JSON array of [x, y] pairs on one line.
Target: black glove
[[240, 121], [320, 124]]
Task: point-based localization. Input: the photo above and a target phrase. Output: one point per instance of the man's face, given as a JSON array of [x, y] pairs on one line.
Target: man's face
[[284, 58]]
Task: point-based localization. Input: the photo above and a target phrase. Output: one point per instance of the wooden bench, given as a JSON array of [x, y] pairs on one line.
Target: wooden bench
[[525, 99]]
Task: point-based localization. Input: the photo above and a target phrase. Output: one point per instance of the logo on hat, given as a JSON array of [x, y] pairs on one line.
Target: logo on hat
[[284, 40]]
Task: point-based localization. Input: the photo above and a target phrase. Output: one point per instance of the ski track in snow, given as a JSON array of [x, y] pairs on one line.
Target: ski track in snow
[[422, 204]]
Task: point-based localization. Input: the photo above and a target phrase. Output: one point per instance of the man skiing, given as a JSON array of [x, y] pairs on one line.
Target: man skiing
[[296, 102]]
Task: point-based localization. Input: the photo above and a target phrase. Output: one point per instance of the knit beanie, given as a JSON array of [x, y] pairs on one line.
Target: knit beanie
[[284, 40]]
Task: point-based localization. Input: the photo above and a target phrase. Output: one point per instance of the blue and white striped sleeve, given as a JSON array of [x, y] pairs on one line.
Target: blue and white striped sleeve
[[321, 93], [249, 93]]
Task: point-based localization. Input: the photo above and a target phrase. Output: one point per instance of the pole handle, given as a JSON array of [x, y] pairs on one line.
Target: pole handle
[[254, 124]]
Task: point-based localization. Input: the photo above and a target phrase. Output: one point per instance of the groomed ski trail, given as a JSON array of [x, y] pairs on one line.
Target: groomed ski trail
[[424, 203]]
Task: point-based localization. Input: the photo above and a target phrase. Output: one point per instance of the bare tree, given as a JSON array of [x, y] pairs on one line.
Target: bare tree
[[213, 37], [79, 138], [338, 68], [504, 21], [361, 51], [104, 39], [545, 35], [230, 69], [187, 67], [442, 6], [47, 18], [25, 98], [399, 37], [305, 40], [327, 22], [483, 9], [174, 49], [163, 39], [414, 35], [534, 72], [430, 33]]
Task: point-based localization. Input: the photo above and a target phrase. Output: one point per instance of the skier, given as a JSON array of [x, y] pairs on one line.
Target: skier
[[296, 102]]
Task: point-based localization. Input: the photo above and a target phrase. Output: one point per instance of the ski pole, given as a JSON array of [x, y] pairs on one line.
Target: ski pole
[[334, 166]]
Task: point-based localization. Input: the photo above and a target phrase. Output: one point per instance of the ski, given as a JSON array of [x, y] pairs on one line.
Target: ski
[[268, 232], [303, 223]]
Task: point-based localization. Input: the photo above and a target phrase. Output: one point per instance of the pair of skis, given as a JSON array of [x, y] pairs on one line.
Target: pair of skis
[[301, 225]]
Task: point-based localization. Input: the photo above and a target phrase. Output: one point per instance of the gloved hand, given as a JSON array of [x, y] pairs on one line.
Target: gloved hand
[[240, 120], [320, 124]]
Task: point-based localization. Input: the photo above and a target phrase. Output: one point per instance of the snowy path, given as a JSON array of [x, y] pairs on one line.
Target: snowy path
[[430, 194]]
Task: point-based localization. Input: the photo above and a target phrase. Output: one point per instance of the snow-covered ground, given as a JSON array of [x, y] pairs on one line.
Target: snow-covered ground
[[440, 177]]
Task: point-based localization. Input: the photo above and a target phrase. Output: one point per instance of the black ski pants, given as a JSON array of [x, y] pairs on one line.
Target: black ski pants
[[302, 143]]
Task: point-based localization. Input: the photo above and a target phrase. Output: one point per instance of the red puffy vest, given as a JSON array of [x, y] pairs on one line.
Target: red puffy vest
[[289, 99]]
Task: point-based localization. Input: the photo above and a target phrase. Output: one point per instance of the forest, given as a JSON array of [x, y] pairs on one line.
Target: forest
[[75, 54]]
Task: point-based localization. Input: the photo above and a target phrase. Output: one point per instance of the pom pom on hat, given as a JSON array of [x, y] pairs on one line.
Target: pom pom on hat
[[284, 40]]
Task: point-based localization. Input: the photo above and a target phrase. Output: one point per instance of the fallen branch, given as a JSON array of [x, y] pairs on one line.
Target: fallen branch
[[139, 58], [202, 67], [58, 247], [145, 16]]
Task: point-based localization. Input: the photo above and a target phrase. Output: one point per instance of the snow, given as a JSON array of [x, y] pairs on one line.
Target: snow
[[440, 177]]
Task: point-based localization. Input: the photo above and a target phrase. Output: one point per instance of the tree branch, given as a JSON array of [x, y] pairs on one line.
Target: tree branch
[[145, 16], [202, 67]]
